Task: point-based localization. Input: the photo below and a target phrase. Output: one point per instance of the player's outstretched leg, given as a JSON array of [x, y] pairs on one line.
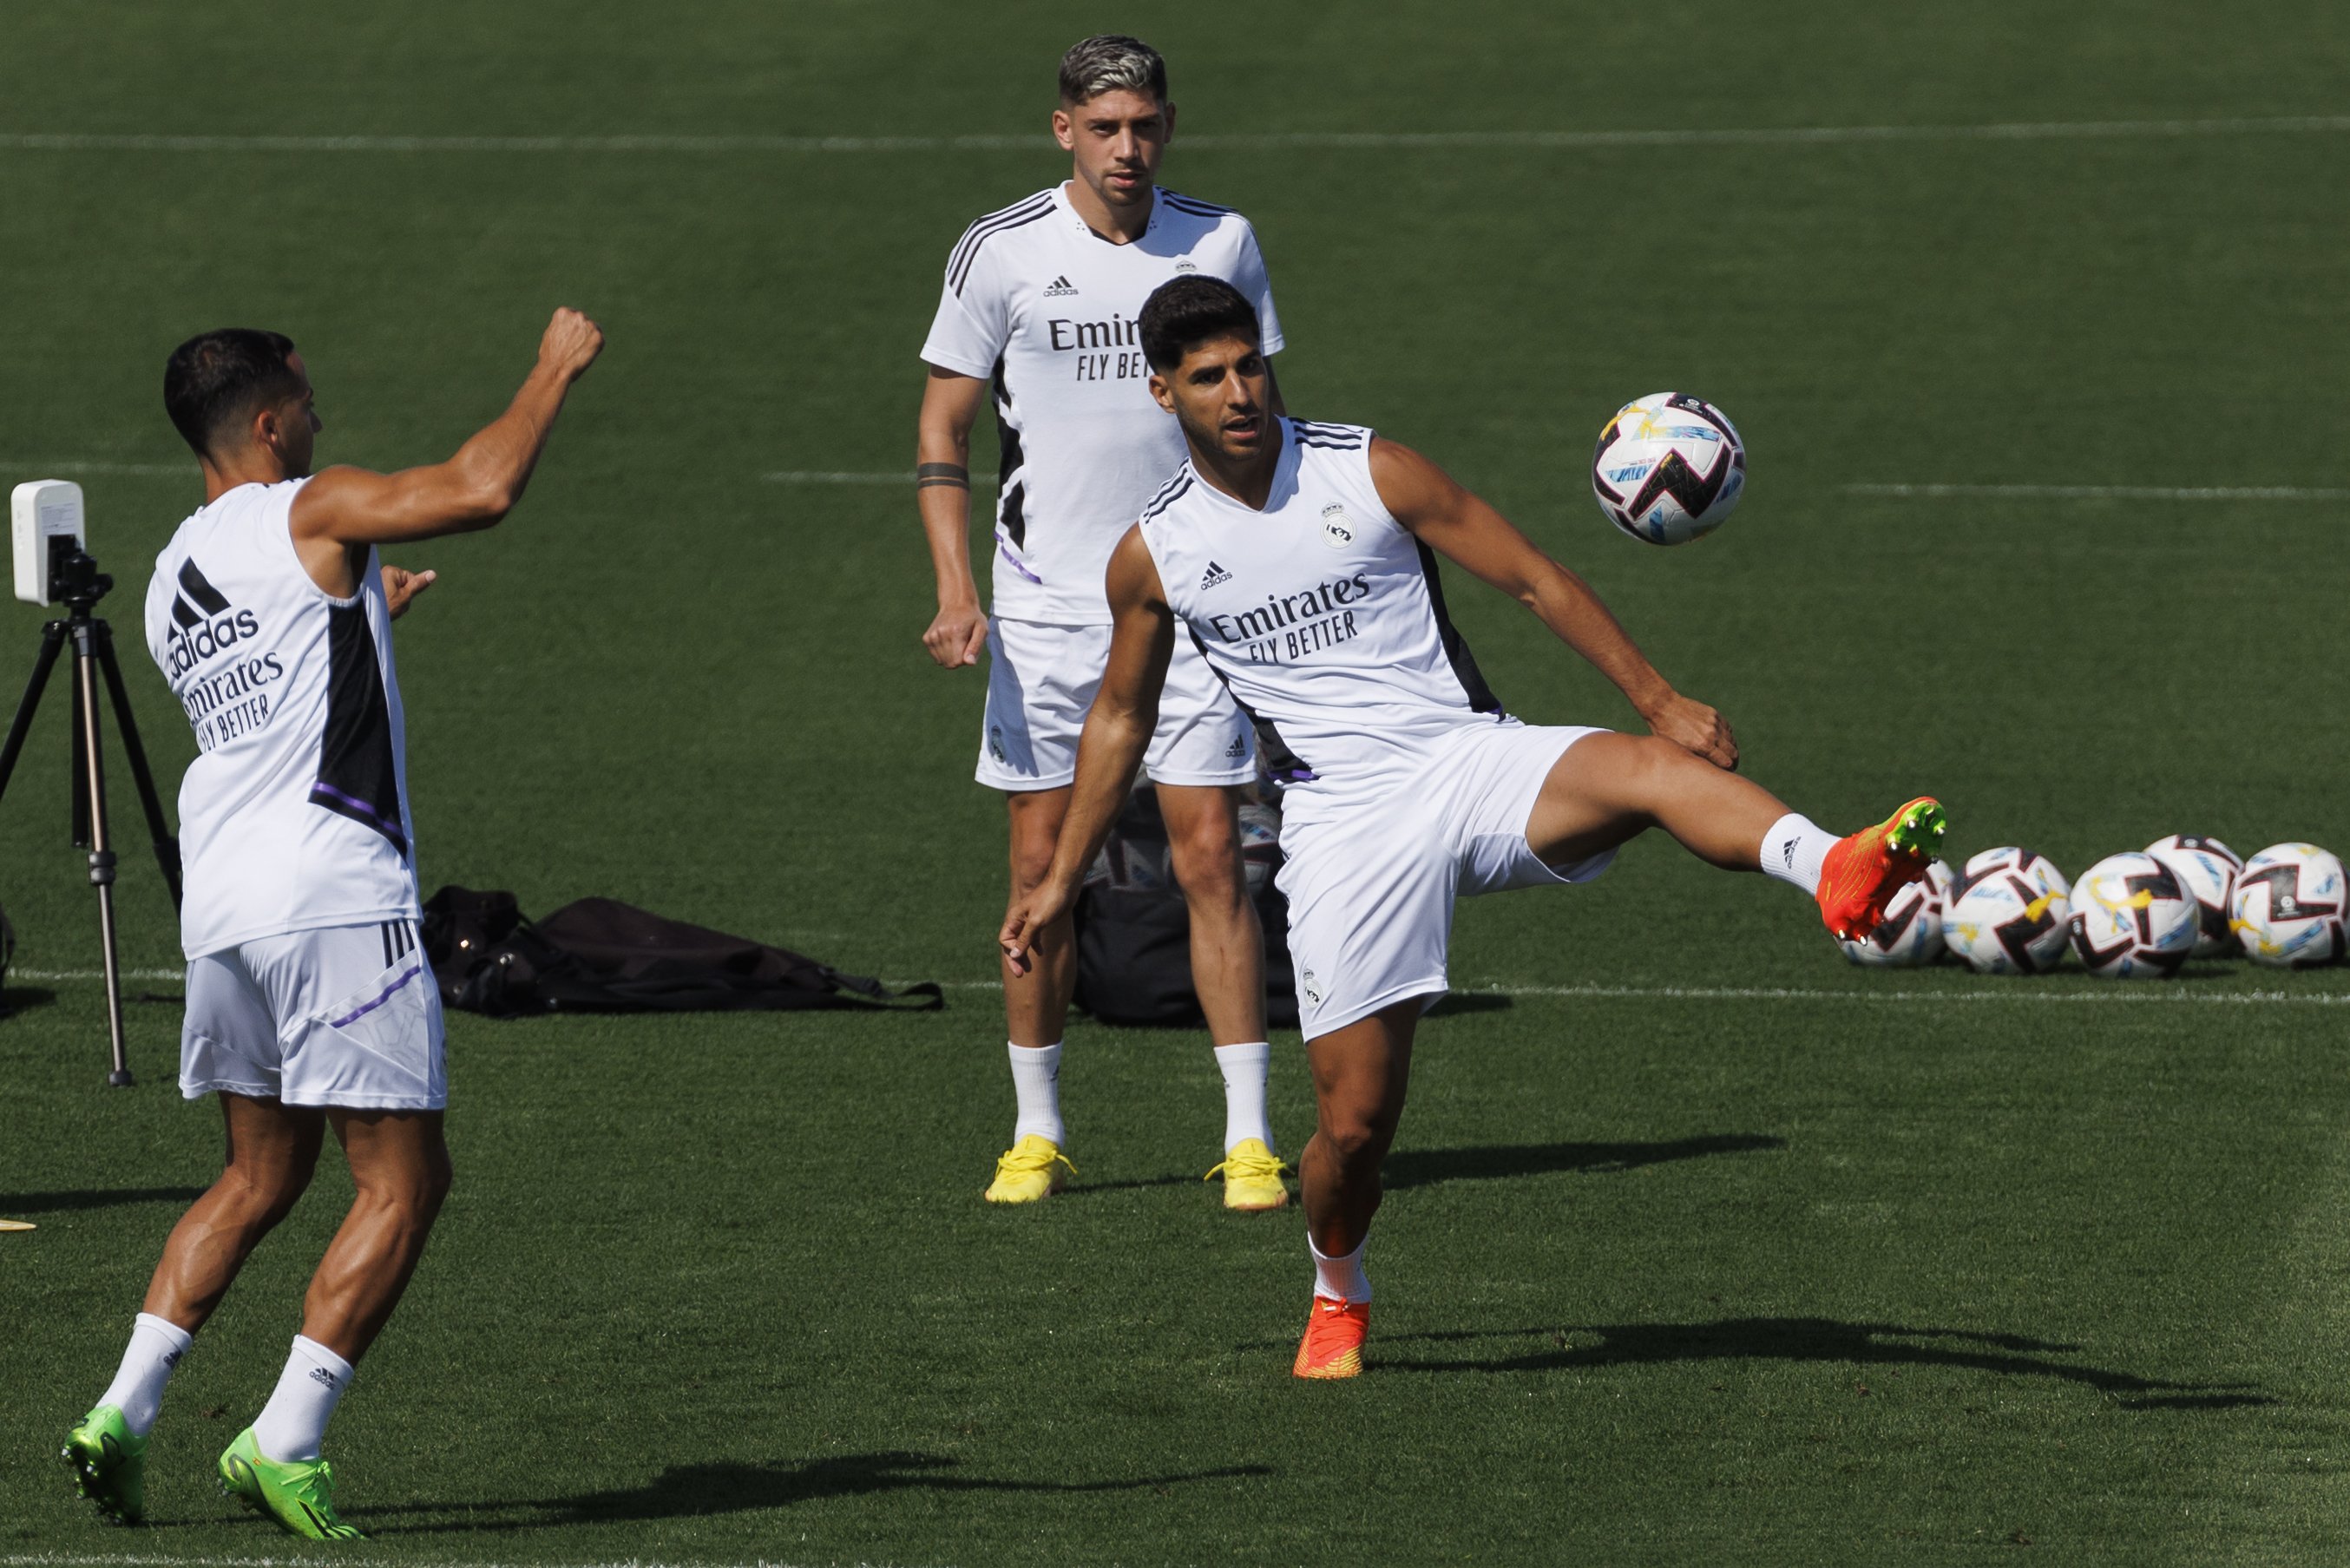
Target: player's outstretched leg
[[1606, 788], [400, 1166], [272, 1151], [1360, 1075], [1035, 1010], [1228, 971]]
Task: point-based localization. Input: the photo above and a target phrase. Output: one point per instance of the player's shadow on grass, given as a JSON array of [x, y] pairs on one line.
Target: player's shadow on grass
[[1456, 1002], [1486, 1162], [1828, 1340], [17, 998], [106, 1197], [736, 1487], [1490, 1162]]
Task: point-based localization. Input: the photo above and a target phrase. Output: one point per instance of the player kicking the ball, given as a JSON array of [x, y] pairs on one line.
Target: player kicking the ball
[[1041, 298], [1410, 787], [309, 1005]]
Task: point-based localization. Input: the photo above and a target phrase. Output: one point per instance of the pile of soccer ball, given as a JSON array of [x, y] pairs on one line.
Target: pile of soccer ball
[[2129, 917]]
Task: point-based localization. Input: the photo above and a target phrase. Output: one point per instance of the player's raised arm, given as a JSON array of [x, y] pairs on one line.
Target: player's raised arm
[[1118, 731], [355, 508], [951, 404], [1464, 528]]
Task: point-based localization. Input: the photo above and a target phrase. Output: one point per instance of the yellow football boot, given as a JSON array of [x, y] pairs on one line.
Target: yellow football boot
[[1030, 1169], [1253, 1174]]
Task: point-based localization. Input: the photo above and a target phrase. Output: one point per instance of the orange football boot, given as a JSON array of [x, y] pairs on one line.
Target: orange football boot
[[1332, 1345], [1863, 870]]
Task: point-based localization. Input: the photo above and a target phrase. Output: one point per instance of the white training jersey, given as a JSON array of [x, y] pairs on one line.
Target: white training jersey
[[293, 815], [1038, 303], [1324, 617]]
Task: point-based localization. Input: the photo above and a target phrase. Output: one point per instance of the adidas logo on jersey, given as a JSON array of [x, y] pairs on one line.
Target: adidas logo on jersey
[[205, 628], [1059, 286], [1215, 577]]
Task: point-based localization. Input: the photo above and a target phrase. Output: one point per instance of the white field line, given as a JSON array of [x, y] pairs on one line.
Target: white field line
[[1765, 136], [2102, 492], [77, 974], [14, 465], [2022, 992]]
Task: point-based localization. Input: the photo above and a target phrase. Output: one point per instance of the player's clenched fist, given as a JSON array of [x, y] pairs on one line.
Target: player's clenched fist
[[570, 344], [1696, 728], [956, 635]]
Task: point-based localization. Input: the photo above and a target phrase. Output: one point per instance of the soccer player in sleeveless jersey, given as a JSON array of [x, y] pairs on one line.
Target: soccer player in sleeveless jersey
[[309, 1006], [1040, 299], [1301, 559]]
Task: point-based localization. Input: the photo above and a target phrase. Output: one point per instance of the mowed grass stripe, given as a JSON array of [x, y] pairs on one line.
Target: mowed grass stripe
[[2021, 993], [1757, 136], [149, 1559]]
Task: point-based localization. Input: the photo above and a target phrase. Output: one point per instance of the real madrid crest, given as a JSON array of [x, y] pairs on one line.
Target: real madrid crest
[[1336, 532]]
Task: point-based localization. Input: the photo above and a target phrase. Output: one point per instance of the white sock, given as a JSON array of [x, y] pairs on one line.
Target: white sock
[[292, 1424], [1340, 1279], [1794, 849], [1245, 1068], [156, 1346], [1036, 1079]]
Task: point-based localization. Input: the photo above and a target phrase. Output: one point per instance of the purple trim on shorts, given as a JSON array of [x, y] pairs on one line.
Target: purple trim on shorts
[[1005, 551], [366, 808], [411, 973]]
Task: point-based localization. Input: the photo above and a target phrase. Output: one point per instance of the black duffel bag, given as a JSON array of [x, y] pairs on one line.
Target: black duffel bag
[[598, 955], [1134, 933]]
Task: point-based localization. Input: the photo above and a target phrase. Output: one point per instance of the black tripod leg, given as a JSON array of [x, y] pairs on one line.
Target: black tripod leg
[[53, 638], [83, 735], [158, 827]]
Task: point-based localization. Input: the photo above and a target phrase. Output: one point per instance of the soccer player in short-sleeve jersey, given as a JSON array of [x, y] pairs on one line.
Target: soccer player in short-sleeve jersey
[[1037, 312]]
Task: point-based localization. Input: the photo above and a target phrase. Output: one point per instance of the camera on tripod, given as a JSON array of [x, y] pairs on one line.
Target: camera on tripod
[[54, 565]]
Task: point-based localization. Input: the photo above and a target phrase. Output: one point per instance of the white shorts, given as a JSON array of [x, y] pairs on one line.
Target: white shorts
[[345, 1016], [1370, 890], [1042, 677]]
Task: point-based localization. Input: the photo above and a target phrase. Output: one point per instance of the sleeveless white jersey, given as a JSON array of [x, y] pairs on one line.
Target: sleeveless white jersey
[[1037, 302], [293, 815], [1324, 617]]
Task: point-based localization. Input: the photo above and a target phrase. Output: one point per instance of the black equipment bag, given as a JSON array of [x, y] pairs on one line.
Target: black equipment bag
[[1134, 933], [598, 955]]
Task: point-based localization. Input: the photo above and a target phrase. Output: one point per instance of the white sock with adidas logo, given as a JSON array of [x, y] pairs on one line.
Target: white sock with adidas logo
[[1796, 849], [1245, 1069], [293, 1424], [156, 1346]]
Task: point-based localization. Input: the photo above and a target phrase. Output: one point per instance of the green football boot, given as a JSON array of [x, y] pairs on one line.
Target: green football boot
[[298, 1494], [110, 1466]]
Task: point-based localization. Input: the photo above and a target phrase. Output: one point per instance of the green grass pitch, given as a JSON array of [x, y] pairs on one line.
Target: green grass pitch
[[1905, 1268]]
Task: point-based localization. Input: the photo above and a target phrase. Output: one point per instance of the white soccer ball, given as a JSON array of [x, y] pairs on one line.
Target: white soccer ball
[[2208, 868], [2007, 913], [1669, 468], [2133, 919], [2286, 908], [1911, 935]]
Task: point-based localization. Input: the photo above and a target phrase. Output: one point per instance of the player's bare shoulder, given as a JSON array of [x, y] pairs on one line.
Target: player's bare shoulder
[[1133, 581], [1411, 486]]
